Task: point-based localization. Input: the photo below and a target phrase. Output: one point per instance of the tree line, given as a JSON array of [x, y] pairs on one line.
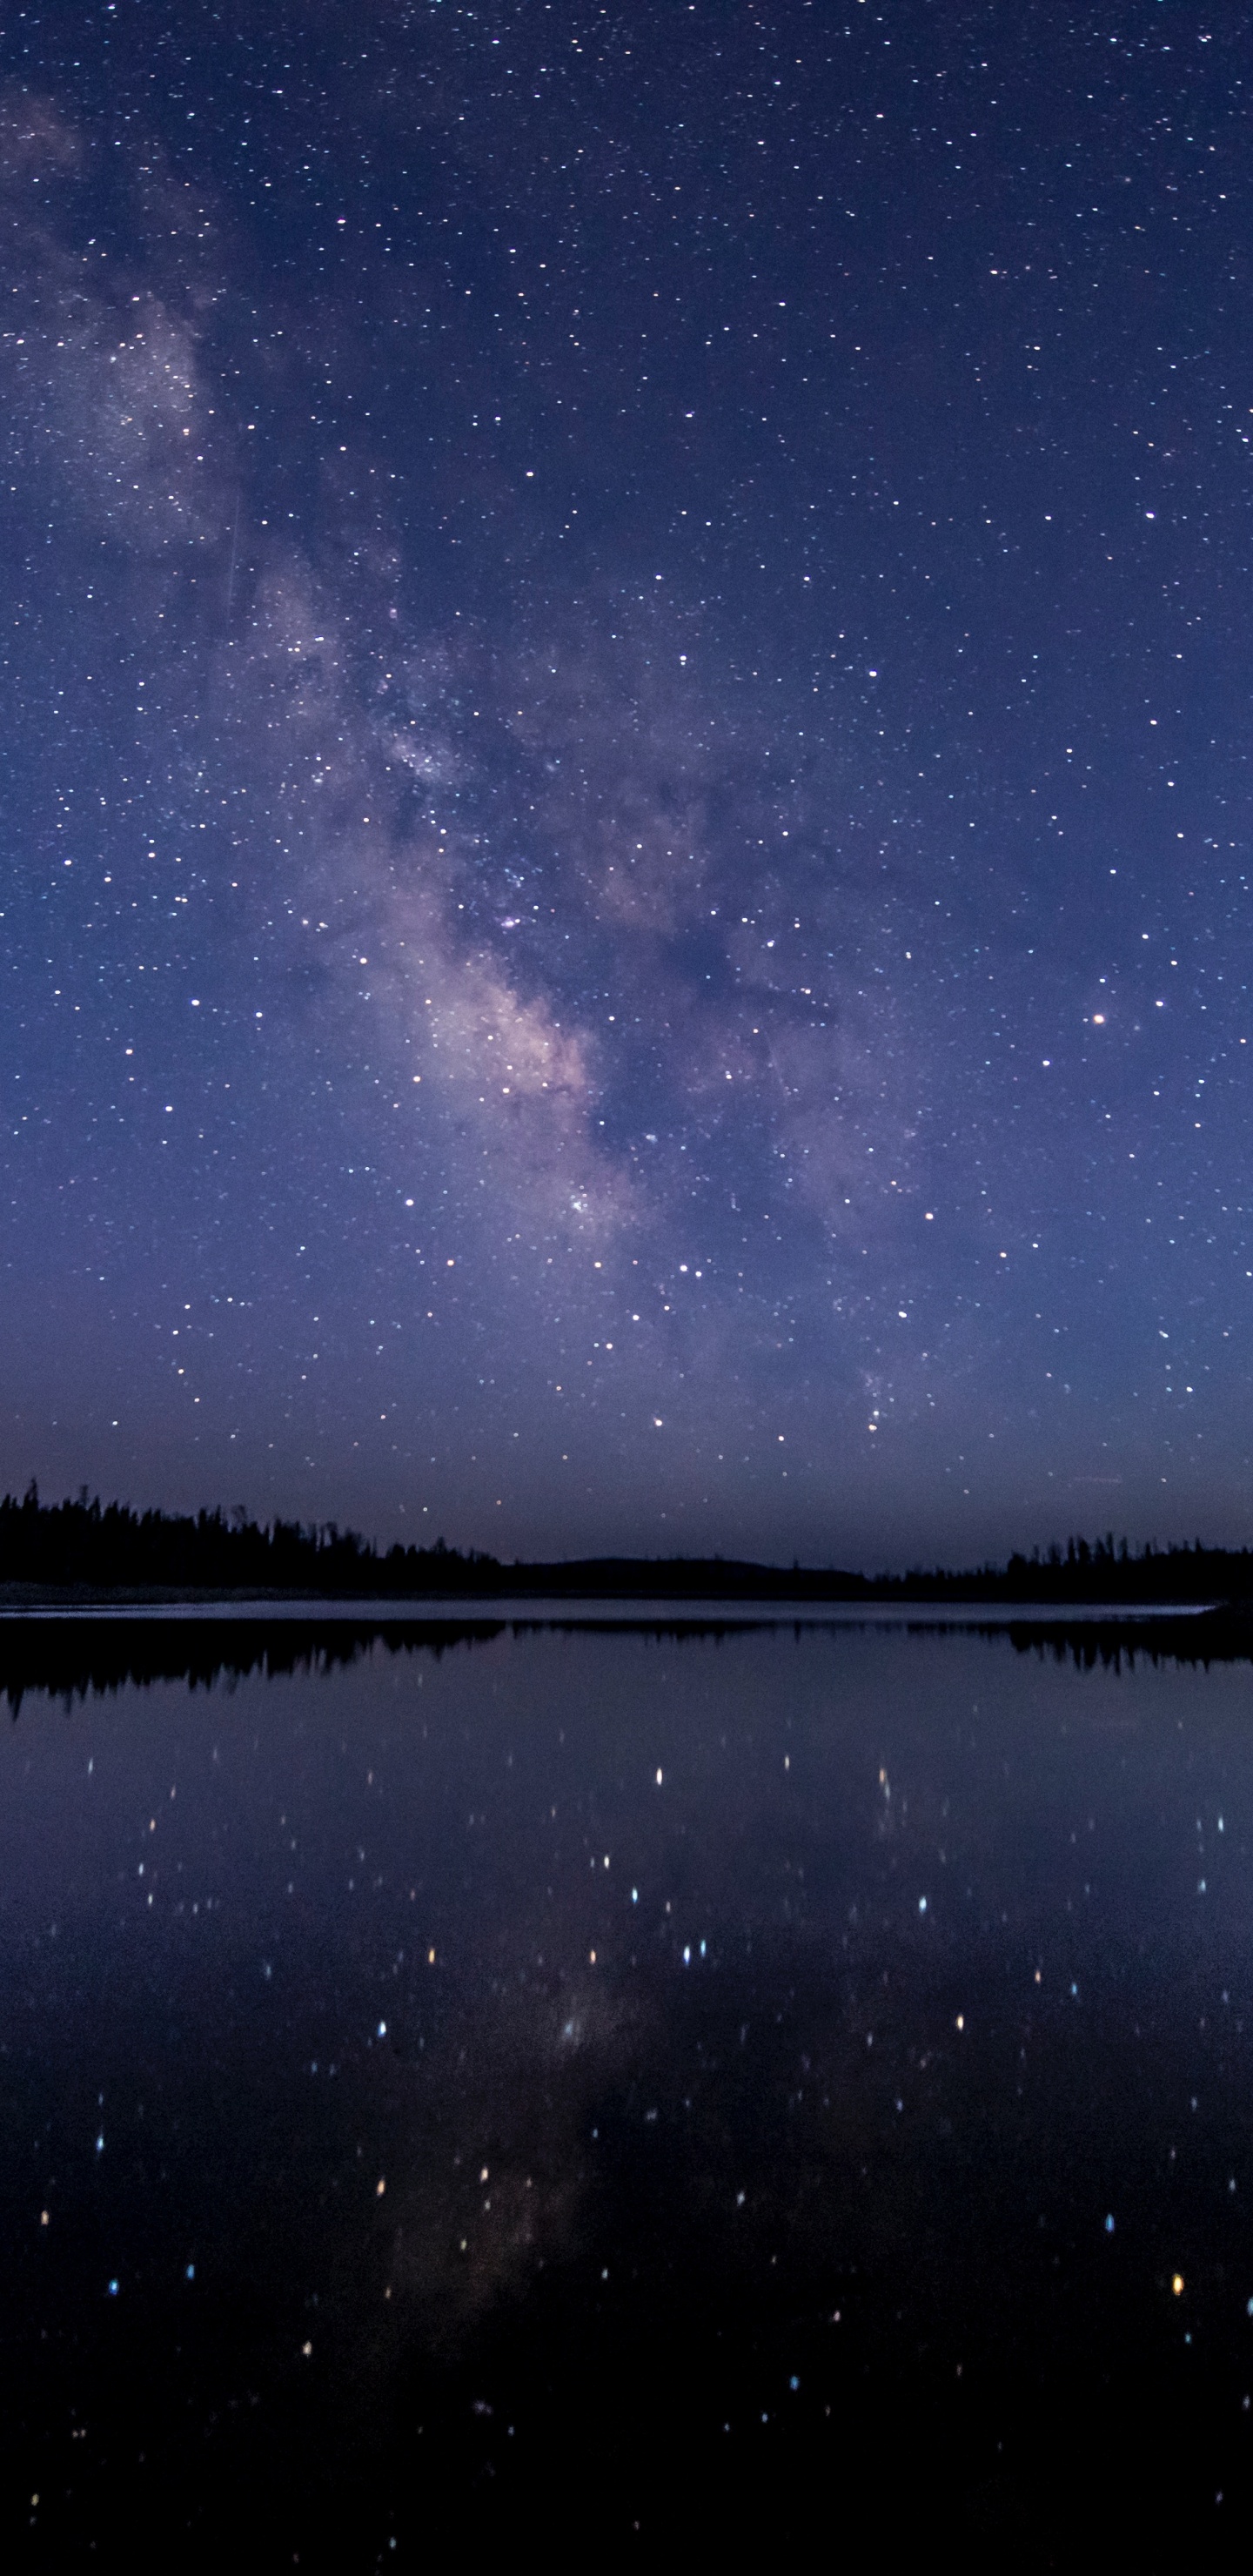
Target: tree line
[[85, 1544]]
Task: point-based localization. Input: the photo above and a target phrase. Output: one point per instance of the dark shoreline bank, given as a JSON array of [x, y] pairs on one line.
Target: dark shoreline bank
[[76, 1553]]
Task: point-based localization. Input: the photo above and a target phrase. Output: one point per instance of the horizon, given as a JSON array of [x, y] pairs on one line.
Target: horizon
[[628, 913], [1076, 1550]]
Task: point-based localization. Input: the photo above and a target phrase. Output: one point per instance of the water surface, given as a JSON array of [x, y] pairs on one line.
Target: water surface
[[615, 2086]]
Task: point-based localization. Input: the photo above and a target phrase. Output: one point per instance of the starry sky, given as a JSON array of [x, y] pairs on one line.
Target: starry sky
[[625, 662]]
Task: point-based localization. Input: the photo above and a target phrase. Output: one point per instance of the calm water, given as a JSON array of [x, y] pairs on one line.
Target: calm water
[[612, 2088]]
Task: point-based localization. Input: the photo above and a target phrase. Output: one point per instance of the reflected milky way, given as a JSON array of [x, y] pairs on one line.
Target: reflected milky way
[[666, 2080]]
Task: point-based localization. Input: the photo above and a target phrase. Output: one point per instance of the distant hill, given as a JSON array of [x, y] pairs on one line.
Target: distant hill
[[87, 1546]]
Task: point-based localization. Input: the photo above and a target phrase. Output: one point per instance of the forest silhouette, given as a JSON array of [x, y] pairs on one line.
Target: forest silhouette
[[86, 1547]]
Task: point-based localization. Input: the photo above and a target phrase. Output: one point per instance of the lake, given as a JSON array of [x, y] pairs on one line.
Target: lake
[[618, 2086]]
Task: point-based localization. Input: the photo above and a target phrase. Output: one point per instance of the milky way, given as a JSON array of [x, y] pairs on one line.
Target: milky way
[[625, 770]]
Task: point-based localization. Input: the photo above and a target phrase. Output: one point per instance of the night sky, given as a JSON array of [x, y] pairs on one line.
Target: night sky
[[626, 699]]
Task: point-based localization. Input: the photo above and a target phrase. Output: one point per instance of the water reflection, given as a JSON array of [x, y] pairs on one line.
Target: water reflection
[[673, 2080], [71, 1656]]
